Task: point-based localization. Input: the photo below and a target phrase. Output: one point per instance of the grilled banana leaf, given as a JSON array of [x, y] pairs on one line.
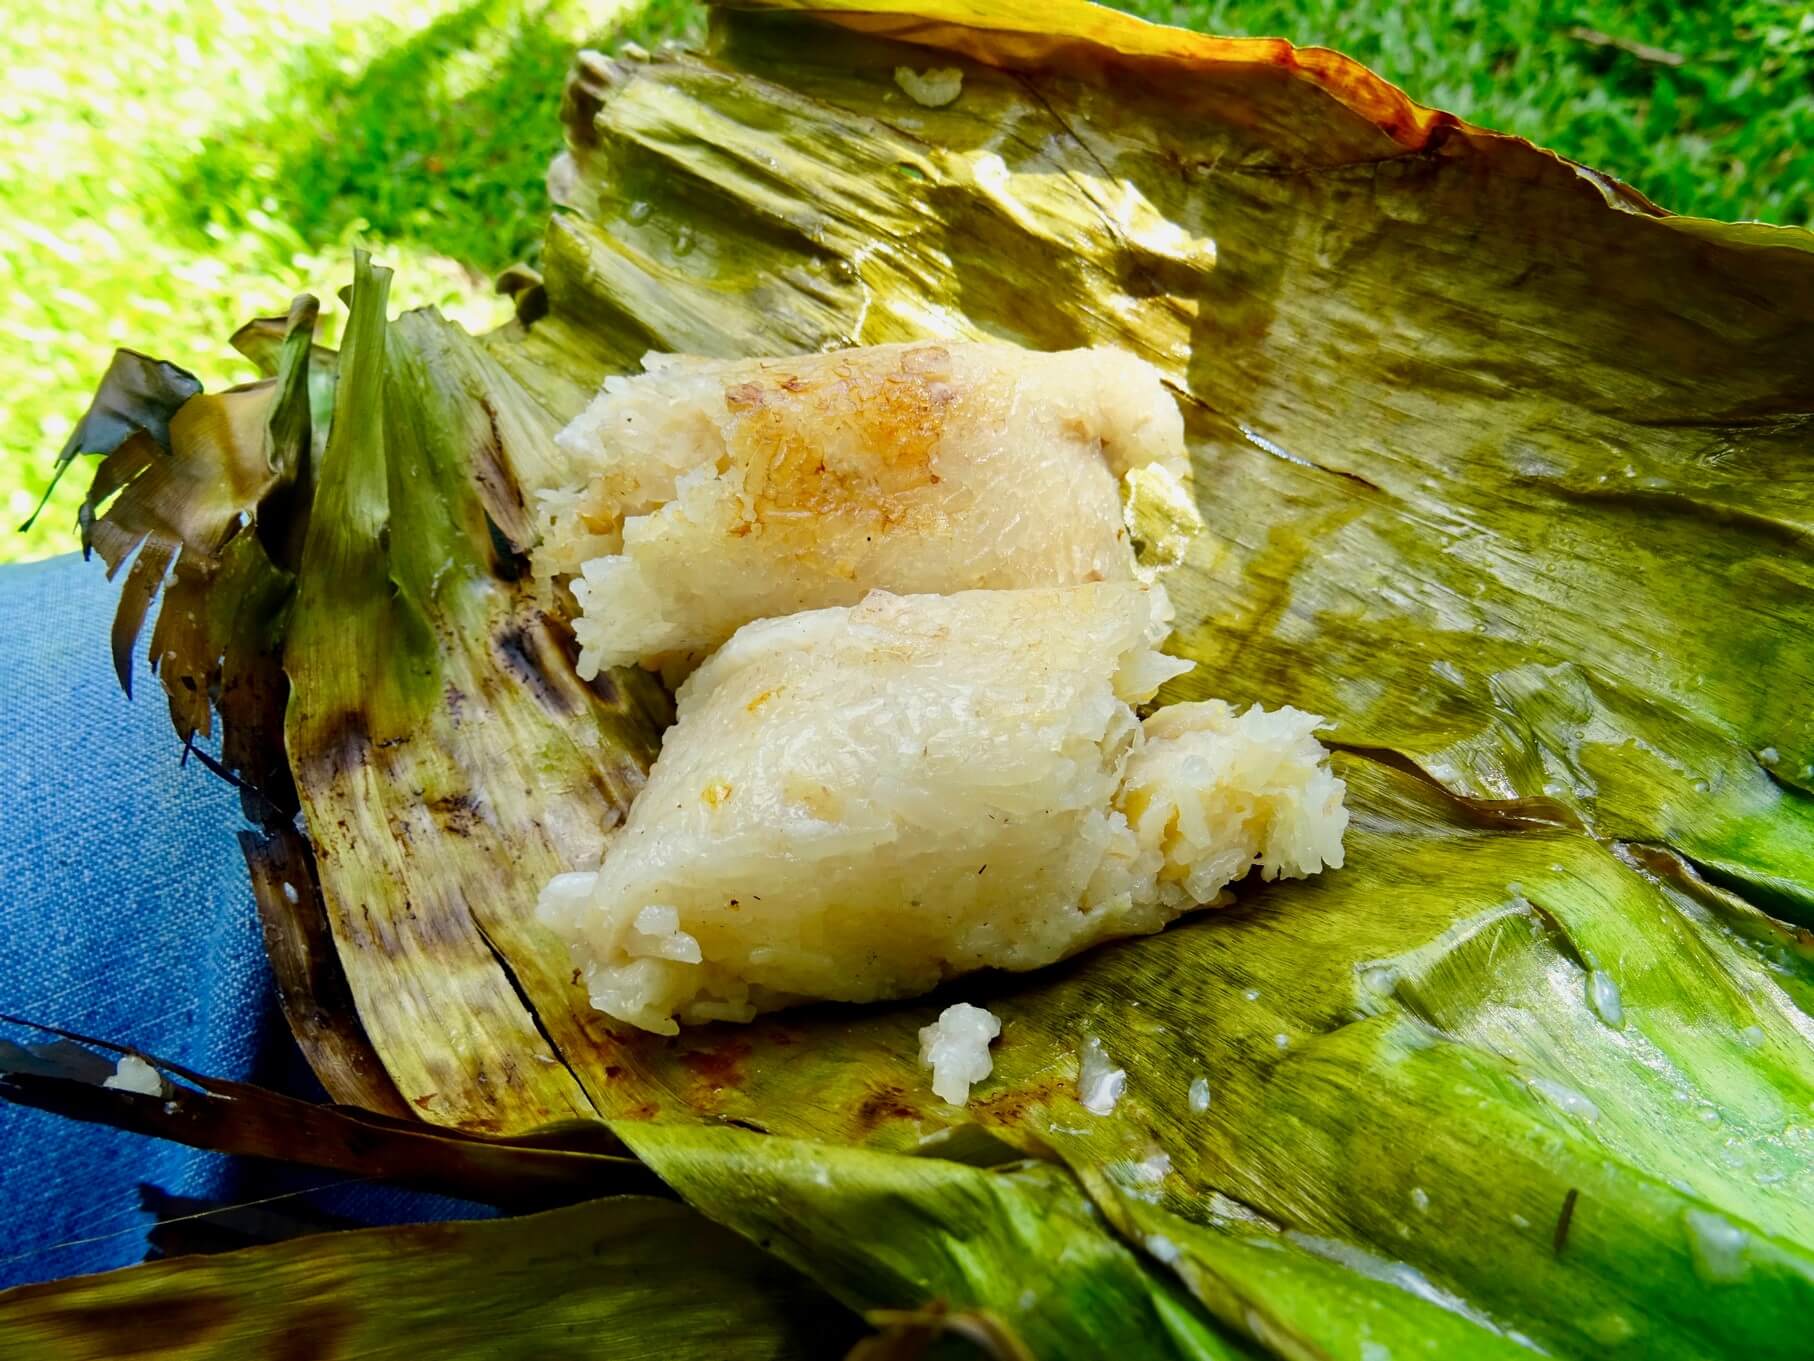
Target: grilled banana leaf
[[624, 1278], [1501, 468]]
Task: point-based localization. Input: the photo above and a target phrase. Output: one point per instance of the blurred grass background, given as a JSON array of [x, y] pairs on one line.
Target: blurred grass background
[[169, 168]]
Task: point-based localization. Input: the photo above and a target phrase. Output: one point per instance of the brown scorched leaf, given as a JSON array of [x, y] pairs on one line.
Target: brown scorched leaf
[[136, 398]]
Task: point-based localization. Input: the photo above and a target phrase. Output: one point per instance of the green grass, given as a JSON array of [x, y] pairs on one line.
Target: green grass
[[179, 167], [183, 166]]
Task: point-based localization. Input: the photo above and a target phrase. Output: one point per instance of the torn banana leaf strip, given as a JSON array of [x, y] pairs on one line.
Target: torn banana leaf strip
[[179, 506], [560, 1167], [626, 1279], [1502, 470]]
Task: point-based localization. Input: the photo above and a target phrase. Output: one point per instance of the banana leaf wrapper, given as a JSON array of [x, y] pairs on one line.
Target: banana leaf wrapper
[[662, 1282], [1502, 469]]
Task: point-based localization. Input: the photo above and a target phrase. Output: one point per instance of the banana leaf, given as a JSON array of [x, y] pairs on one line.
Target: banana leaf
[[1501, 468], [624, 1278]]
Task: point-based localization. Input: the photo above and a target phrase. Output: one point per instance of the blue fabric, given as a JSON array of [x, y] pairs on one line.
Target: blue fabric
[[125, 913]]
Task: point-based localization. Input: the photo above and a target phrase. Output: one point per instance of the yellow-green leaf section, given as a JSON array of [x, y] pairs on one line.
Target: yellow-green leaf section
[[628, 1279]]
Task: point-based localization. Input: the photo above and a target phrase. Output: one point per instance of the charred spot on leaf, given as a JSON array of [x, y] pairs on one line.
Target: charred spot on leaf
[[499, 495], [506, 563], [343, 745], [1012, 1106], [176, 1324], [315, 1336], [883, 1104], [440, 933], [720, 1066], [559, 633], [517, 651], [457, 813]]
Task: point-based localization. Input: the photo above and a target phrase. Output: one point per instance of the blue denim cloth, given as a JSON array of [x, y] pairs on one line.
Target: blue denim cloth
[[125, 913]]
